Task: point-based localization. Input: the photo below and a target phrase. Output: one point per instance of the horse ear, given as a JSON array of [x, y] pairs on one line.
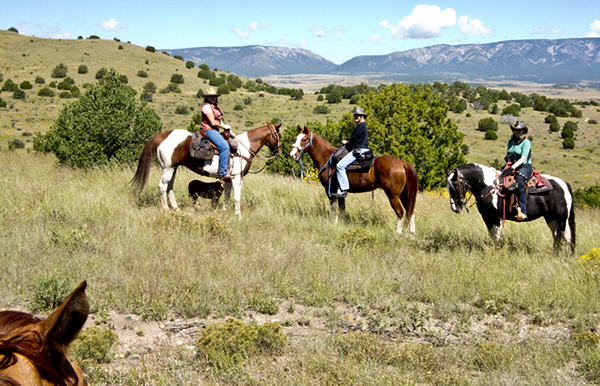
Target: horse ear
[[268, 123], [61, 327], [305, 131], [299, 129]]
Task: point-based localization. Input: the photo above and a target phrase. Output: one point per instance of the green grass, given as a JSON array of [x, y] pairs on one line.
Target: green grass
[[443, 307]]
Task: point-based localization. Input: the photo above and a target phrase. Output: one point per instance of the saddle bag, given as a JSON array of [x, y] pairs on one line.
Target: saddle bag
[[201, 148]]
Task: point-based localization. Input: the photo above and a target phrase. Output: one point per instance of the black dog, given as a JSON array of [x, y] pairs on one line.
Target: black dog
[[209, 190]]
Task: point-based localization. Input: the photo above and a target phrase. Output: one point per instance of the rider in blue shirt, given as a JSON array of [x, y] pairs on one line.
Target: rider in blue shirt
[[518, 153]]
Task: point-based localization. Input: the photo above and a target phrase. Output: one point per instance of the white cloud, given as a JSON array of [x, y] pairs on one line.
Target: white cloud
[[472, 27], [375, 37], [112, 25], [425, 21], [247, 31], [548, 30], [319, 31], [594, 30], [339, 32]]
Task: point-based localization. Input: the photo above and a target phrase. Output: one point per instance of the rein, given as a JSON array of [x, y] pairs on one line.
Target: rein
[[464, 187], [302, 174]]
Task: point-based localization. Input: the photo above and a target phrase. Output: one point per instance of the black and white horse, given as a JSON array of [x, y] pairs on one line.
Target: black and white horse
[[555, 205]]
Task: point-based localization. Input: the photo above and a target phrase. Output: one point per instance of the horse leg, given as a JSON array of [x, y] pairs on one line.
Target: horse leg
[[237, 194], [227, 193], [558, 233], [166, 179], [495, 232], [400, 211]]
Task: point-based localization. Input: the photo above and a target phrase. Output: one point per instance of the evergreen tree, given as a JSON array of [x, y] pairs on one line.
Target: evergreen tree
[[106, 126]]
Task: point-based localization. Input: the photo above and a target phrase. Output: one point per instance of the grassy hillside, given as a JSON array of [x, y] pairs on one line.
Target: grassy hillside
[[24, 58], [359, 304]]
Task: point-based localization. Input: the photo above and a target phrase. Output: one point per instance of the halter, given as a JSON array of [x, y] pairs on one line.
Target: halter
[[463, 187], [302, 153]]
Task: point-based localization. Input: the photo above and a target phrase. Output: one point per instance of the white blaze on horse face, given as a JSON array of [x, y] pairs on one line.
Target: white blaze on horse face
[[296, 148], [451, 192], [489, 178]]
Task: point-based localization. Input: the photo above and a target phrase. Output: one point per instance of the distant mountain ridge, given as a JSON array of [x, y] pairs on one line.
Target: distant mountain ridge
[[574, 60]]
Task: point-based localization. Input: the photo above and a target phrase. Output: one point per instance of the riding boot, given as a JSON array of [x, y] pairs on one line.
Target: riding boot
[[227, 176], [520, 215]]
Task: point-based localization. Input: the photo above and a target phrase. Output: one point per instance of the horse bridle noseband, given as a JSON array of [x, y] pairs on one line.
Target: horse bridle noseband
[[302, 153], [462, 187]]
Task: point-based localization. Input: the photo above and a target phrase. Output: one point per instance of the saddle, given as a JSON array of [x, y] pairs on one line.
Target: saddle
[[202, 149], [362, 164], [538, 184]]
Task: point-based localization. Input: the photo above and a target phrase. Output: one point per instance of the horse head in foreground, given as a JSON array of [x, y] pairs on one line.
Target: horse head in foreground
[[172, 150], [555, 204], [33, 351], [396, 177]]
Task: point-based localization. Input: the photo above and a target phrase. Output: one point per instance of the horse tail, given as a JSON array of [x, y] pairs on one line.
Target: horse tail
[[571, 221], [143, 170], [409, 194]]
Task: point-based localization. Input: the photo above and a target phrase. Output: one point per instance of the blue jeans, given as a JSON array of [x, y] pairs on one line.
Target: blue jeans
[[217, 139], [526, 171], [342, 175]]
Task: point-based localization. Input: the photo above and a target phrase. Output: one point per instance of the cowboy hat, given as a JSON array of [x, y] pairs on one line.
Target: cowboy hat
[[211, 92], [519, 126], [359, 111]]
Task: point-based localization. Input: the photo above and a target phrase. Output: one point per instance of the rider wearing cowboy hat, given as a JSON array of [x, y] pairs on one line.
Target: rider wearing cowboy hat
[[356, 145], [518, 153], [211, 122]]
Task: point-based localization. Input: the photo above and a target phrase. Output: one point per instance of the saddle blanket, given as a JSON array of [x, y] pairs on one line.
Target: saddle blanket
[[538, 184]]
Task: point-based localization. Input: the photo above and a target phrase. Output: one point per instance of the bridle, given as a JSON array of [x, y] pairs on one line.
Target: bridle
[[463, 187], [301, 151], [274, 153]]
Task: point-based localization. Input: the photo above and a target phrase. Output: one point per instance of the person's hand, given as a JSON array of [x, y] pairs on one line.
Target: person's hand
[[506, 172], [226, 127]]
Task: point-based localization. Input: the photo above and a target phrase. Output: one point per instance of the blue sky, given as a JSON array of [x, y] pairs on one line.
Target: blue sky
[[336, 30]]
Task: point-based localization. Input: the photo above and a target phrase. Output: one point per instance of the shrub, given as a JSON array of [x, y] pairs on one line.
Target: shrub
[[178, 57], [568, 143], [593, 122], [59, 71], [182, 109], [142, 74], [49, 292], [13, 29], [123, 79], [146, 96], [101, 73], [16, 144], [321, 109], [223, 89], [589, 196], [465, 149], [491, 135], [39, 80], [63, 86], [95, 345], [177, 78], [217, 81], [189, 64], [9, 86], [571, 125], [82, 69], [238, 107], [205, 73], [94, 37], [106, 126], [513, 109], [150, 87], [2, 103], [551, 118], [46, 92], [65, 95], [247, 101], [554, 127], [487, 124], [203, 66], [19, 94], [226, 344], [567, 133], [320, 98], [26, 85], [150, 49]]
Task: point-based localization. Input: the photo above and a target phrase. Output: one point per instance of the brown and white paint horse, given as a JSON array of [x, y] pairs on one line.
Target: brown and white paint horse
[[33, 351], [397, 178], [172, 150]]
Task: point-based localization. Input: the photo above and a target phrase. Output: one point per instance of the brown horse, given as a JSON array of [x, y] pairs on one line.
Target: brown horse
[[172, 149], [33, 351], [396, 177]]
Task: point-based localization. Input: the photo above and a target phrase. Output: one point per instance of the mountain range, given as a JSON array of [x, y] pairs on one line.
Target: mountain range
[[563, 61]]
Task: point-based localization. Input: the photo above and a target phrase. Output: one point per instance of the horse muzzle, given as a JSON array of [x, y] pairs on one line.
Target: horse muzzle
[[295, 154]]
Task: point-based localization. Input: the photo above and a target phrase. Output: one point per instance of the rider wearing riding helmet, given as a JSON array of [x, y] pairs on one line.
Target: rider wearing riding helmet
[[518, 154]]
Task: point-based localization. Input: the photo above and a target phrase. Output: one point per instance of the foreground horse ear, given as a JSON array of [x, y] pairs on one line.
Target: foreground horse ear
[[61, 327], [305, 131], [299, 129]]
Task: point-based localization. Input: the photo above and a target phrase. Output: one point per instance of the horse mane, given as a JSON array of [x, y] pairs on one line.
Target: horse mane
[[15, 337]]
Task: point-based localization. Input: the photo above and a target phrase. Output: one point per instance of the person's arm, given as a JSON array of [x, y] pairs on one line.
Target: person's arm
[[524, 156], [210, 116]]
